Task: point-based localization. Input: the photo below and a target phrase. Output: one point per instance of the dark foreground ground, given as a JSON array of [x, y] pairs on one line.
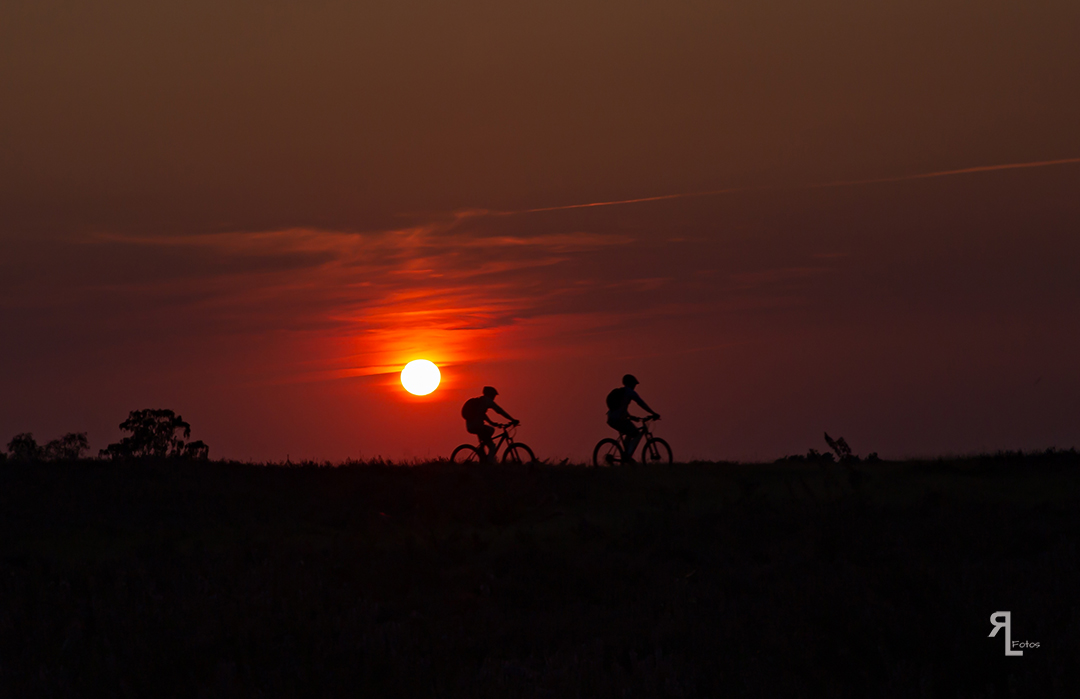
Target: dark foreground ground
[[696, 580]]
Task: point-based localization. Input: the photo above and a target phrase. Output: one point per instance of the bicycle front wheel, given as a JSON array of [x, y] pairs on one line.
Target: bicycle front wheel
[[465, 454], [656, 451], [607, 453], [518, 453]]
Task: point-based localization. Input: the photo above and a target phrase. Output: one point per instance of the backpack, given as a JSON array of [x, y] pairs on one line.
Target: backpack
[[473, 410], [615, 398]]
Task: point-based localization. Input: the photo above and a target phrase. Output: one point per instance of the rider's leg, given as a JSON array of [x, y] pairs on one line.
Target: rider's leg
[[625, 428], [487, 444], [631, 444], [630, 435]]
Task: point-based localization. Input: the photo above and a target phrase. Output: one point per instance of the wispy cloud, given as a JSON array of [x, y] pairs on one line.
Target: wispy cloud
[[377, 297], [817, 185]]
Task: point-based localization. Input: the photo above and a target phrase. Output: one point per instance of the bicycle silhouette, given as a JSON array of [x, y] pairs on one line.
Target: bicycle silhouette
[[613, 451], [515, 452]]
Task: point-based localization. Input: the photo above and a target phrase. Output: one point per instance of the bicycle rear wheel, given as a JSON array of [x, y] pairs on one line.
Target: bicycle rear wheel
[[465, 454], [518, 453], [608, 452], [656, 451]]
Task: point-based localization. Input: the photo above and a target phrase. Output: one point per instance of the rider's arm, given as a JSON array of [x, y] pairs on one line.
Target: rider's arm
[[637, 399], [502, 412]]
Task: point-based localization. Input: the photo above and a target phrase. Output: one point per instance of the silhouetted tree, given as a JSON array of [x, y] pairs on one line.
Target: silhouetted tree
[[23, 447], [154, 434], [71, 447]]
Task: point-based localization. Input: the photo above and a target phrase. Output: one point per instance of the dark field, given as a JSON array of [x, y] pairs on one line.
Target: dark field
[[708, 580]]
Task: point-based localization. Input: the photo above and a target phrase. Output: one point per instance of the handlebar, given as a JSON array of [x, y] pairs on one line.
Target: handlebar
[[650, 418]]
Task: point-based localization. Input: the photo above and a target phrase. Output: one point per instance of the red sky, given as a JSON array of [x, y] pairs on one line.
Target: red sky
[[256, 213]]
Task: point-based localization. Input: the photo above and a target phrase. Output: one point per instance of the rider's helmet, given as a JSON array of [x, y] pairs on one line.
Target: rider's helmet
[[630, 380], [490, 391]]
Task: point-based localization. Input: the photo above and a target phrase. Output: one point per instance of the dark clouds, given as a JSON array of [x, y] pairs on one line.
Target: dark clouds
[[189, 117]]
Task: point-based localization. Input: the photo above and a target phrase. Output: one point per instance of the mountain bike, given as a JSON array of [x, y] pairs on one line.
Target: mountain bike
[[514, 453], [613, 451]]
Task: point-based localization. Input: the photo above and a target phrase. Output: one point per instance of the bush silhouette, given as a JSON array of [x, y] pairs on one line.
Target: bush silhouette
[[23, 447], [154, 434], [840, 448], [71, 447]]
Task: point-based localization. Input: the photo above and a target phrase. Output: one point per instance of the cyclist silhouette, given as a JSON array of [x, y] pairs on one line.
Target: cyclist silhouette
[[475, 413], [618, 414]]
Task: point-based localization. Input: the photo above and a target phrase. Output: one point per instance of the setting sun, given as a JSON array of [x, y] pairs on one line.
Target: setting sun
[[420, 377]]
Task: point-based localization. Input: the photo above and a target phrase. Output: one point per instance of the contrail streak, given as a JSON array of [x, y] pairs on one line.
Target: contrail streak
[[822, 185], [947, 173], [682, 195]]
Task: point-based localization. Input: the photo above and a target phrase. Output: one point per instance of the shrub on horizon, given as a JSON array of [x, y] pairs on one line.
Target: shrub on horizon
[[840, 448], [154, 434], [71, 447], [23, 447]]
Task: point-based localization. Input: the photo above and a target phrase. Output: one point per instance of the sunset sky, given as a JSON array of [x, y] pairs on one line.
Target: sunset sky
[[255, 213]]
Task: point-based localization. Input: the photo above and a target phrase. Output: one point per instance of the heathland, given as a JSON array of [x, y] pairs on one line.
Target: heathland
[[178, 578]]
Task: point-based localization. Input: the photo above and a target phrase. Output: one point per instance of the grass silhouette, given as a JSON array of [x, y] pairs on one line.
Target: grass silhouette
[[700, 579]]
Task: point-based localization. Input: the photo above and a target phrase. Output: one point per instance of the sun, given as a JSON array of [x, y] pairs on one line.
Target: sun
[[420, 377]]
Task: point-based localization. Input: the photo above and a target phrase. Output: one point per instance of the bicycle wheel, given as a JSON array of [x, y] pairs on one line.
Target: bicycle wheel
[[518, 453], [608, 452], [656, 451], [465, 454]]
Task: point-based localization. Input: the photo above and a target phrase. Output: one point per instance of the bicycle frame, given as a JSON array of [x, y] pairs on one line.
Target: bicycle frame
[[642, 436], [512, 451], [501, 439], [653, 449]]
